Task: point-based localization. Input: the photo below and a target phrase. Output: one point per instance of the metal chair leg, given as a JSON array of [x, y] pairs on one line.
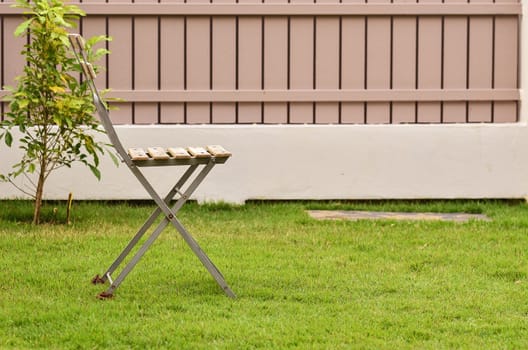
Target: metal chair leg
[[171, 217], [148, 223]]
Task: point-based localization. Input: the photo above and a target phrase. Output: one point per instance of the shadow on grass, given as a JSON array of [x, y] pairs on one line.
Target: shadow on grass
[[55, 211], [19, 211]]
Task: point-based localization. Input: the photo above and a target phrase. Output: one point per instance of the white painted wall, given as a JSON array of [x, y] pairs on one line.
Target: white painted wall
[[320, 162]]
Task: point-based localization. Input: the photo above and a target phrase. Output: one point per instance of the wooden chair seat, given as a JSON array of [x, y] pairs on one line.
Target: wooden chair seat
[[160, 153]]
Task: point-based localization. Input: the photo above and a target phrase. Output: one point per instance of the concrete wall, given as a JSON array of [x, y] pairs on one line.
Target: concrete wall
[[322, 162]]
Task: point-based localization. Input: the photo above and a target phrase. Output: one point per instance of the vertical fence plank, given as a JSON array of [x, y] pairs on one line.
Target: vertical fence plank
[[3, 56], [198, 58], [249, 64], [146, 64], [378, 65], [275, 64], [224, 64], [505, 68], [2, 66], [12, 63], [301, 65], [95, 26], [120, 68], [172, 56], [352, 65], [404, 66], [455, 64], [327, 65], [480, 63], [429, 64]]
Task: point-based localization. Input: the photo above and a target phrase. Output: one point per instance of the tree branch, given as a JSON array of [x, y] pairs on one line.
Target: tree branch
[[21, 189]]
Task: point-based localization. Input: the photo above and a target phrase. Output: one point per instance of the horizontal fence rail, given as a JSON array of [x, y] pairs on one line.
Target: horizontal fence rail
[[308, 96], [290, 9], [279, 62]]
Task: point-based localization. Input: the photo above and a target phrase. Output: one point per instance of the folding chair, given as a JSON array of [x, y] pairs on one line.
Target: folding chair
[[136, 158]]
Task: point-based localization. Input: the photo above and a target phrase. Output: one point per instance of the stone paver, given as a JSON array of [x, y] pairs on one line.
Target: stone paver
[[377, 215]]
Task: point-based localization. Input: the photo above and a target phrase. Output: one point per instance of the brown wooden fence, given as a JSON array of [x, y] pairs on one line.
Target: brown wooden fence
[[302, 61]]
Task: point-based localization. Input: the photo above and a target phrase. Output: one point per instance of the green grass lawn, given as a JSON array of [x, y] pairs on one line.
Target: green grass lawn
[[301, 283]]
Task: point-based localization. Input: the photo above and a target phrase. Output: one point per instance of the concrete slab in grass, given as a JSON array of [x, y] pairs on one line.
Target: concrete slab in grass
[[377, 215]]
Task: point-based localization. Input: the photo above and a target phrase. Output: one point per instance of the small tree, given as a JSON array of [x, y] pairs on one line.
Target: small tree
[[50, 108]]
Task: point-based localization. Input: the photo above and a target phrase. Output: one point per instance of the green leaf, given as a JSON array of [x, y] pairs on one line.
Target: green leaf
[[75, 10], [8, 139], [22, 28], [23, 103], [97, 38], [95, 171], [57, 89], [114, 158]]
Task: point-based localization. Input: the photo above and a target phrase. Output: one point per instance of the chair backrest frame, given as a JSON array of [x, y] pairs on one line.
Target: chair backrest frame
[[79, 50]]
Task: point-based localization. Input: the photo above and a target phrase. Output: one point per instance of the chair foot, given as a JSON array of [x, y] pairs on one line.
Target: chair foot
[[98, 280], [105, 295], [229, 293]]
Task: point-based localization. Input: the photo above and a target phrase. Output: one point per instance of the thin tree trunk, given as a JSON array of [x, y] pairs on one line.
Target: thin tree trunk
[[41, 178], [38, 198]]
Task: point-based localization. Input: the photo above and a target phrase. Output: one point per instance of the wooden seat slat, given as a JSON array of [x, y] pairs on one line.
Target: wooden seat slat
[[218, 151], [158, 153], [138, 154], [179, 153], [198, 152]]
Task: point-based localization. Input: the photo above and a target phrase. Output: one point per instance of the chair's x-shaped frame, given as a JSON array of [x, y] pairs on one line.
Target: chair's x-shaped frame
[[163, 205]]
